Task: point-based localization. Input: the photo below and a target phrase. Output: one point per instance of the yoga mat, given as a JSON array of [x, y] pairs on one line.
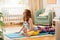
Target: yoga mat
[[17, 35]]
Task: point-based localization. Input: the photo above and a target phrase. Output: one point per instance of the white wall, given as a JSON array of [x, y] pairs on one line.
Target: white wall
[[55, 6]]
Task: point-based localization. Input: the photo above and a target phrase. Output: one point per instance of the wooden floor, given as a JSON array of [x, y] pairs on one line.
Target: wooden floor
[[44, 38], [39, 38]]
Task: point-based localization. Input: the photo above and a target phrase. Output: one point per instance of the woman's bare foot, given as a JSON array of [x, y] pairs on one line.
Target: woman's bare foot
[[22, 34], [28, 35]]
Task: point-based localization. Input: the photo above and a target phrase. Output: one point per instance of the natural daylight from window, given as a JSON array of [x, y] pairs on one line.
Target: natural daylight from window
[[13, 7]]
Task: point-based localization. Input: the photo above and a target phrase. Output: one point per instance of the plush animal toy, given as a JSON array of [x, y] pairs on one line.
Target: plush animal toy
[[33, 33], [42, 30]]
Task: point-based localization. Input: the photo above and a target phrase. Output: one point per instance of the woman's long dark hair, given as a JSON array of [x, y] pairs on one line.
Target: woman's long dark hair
[[28, 15]]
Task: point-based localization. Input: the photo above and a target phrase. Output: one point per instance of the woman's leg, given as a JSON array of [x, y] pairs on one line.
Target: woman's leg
[[25, 32]]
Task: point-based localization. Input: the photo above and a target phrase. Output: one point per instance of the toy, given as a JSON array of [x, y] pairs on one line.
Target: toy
[[51, 30], [42, 30], [33, 33], [36, 32], [47, 29]]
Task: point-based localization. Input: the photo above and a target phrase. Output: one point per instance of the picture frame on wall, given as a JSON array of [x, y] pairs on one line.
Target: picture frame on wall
[[51, 1]]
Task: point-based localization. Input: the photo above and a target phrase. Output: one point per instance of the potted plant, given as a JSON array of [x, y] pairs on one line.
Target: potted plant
[[1, 27]]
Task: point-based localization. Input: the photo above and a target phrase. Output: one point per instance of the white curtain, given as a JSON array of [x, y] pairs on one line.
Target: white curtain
[[35, 5]]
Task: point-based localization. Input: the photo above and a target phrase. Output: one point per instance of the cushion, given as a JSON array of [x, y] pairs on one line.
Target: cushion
[[47, 10], [45, 13]]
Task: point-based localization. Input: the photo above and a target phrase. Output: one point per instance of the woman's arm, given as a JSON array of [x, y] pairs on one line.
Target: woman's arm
[[21, 29], [30, 24]]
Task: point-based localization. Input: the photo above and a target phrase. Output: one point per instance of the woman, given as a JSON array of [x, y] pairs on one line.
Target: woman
[[28, 23]]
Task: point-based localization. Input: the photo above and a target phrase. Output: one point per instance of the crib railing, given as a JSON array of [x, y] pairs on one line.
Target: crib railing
[[12, 14], [12, 19]]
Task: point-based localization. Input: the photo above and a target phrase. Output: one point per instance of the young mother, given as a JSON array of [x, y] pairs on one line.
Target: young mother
[[28, 28]]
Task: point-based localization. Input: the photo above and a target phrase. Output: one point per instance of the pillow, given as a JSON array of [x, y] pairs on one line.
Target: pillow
[[45, 13]]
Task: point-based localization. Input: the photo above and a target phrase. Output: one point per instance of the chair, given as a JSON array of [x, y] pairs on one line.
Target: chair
[[43, 20]]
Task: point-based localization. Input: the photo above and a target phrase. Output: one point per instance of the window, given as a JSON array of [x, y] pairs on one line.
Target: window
[[13, 7]]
